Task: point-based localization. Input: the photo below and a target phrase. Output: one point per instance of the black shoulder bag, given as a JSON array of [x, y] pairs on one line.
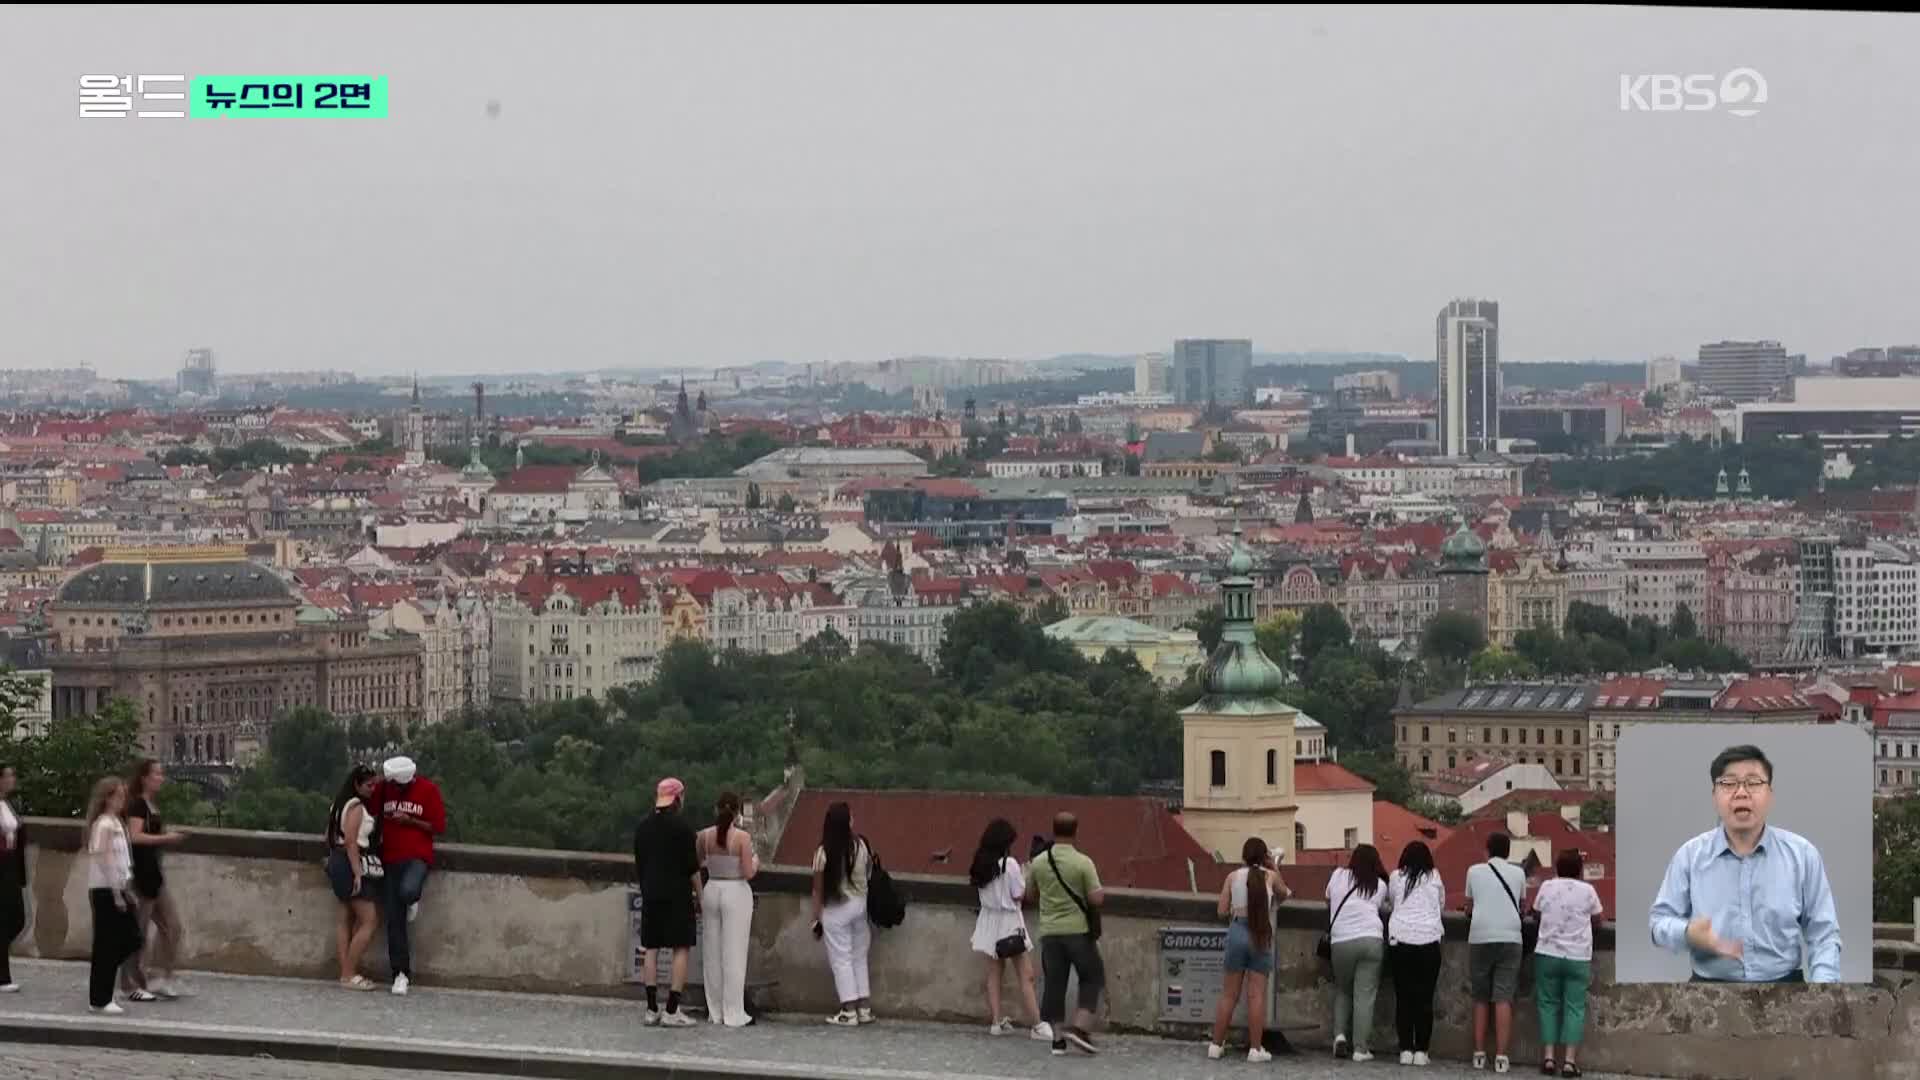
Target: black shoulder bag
[[1324, 950], [886, 907], [1093, 917], [1529, 928]]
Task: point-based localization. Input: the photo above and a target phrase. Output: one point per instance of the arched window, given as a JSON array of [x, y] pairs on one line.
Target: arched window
[[1273, 768]]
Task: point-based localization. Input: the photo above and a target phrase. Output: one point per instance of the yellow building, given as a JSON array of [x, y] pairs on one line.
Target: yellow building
[[1238, 741], [1529, 592], [1165, 654]]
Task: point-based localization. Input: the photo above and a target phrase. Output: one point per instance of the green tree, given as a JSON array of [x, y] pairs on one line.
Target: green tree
[[57, 769], [786, 505], [1596, 812], [753, 496], [308, 748], [1896, 858], [1322, 628], [1452, 637], [1208, 625], [1276, 635], [1049, 611], [1683, 623], [1391, 780], [1494, 664]]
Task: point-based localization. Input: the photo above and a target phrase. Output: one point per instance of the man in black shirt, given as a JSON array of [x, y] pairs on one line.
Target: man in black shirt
[[669, 871]]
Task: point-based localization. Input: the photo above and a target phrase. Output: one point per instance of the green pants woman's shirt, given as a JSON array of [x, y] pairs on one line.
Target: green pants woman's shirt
[[1356, 981]]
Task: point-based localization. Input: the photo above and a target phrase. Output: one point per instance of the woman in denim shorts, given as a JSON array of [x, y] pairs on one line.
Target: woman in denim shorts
[[1249, 897]]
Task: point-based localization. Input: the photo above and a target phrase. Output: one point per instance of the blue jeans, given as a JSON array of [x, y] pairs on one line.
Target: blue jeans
[[405, 882], [1241, 953]]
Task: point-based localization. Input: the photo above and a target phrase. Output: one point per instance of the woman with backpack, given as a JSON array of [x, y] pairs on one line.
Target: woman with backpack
[[354, 871], [841, 866], [1000, 930], [1248, 897]]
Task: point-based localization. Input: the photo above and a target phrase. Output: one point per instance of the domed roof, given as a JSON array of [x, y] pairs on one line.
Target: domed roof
[[1464, 543], [1240, 563], [1240, 669], [133, 583]]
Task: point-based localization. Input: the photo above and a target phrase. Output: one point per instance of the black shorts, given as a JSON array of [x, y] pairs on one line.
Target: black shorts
[[666, 924]]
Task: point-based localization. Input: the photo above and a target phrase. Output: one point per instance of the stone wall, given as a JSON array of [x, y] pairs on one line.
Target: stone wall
[[258, 903]]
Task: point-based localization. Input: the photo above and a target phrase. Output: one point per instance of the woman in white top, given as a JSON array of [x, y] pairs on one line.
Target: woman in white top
[[1417, 897], [726, 906], [1248, 898], [354, 871], [1570, 912], [116, 932], [13, 878], [1356, 895], [1000, 930], [840, 867]]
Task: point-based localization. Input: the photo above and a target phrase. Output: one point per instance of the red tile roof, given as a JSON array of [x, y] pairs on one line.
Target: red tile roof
[[534, 588], [1629, 692], [1136, 842], [1326, 776], [1557, 796], [1395, 826], [1467, 846], [537, 480], [1765, 694]]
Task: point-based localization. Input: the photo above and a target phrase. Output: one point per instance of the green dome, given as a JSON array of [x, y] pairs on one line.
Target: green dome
[[1463, 545], [1240, 563], [1240, 669]]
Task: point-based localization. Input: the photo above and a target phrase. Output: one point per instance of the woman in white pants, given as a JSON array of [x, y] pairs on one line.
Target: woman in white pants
[[840, 869], [726, 906]]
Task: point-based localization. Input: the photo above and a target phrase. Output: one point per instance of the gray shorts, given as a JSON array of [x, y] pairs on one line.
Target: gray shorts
[[1493, 971]]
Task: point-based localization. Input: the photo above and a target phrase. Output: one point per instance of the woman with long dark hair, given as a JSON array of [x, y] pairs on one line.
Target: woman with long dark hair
[[726, 904], [1414, 930], [1000, 930], [1356, 895], [840, 868], [13, 877], [355, 872], [116, 934], [1248, 898], [158, 918]]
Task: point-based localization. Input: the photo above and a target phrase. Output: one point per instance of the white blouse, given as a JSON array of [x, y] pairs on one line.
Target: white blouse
[[109, 862], [1416, 915], [1359, 914]]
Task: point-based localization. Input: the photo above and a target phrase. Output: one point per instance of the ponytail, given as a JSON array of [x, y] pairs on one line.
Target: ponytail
[[1259, 915], [724, 812]]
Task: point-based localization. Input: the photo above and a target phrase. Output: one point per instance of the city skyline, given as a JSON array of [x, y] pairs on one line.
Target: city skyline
[[1000, 202]]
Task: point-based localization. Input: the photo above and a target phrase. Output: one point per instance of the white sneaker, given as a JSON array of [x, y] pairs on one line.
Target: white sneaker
[[109, 1009], [1362, 1055], [1002, 1026], [1214, 1050], [844, 1018], [1042, 1032], [866, 1016], [676, 1019], [413, 911], [400, 985], [1340, 1046], [1258, 1056], [1420, 1058], [653, 1018], [9, 988], [1406, 1057], [1501, 1064]]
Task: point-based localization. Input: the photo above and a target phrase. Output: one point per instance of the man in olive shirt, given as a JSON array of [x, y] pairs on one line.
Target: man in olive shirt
[[1065, 886]]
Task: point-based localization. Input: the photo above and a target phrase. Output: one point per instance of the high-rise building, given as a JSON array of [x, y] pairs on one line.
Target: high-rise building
[[1212, 371], [1662, 371], [197, 375], [1150, 373], [1467, 355], [1894, 360], [1743, 370]]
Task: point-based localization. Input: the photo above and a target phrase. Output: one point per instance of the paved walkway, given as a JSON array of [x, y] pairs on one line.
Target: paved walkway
[[539, 1034]]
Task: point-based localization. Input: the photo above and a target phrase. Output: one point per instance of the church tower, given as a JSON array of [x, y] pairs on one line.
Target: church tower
[[1238, 741], [416, 430]]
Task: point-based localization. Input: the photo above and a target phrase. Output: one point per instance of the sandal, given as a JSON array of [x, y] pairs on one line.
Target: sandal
[[1569, 1069], [1548, 1068], [358, 982]]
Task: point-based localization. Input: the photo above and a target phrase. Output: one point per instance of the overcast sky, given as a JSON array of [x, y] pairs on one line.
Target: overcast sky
[[706, 187]]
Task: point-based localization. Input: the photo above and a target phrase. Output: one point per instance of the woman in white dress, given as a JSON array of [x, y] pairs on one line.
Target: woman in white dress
[[1000, 931]]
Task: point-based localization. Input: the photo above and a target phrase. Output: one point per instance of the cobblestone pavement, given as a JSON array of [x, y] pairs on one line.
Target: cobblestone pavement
[[554, 1028]]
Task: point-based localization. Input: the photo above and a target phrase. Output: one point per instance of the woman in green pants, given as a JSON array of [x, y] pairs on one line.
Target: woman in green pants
[[1356, 895], [1563, 961]]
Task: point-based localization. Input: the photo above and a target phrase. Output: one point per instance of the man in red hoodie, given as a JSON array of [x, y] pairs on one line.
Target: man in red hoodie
[[411, 815]]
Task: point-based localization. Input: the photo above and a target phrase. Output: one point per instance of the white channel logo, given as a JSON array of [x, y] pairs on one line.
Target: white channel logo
[[1741, 92]]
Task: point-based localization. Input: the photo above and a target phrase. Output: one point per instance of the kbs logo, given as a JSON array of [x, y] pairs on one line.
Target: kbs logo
[[1741, 92]]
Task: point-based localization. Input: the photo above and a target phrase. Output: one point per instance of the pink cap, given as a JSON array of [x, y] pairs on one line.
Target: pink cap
[[669, 790]]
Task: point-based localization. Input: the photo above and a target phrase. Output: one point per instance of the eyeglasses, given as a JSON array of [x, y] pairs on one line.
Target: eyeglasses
[[1729, 784]]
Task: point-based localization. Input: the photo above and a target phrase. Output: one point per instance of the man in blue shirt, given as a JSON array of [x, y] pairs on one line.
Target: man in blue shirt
[[1742, 897]]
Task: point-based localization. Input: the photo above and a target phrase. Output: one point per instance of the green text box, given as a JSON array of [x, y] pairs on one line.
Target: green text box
[[221, 96]]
